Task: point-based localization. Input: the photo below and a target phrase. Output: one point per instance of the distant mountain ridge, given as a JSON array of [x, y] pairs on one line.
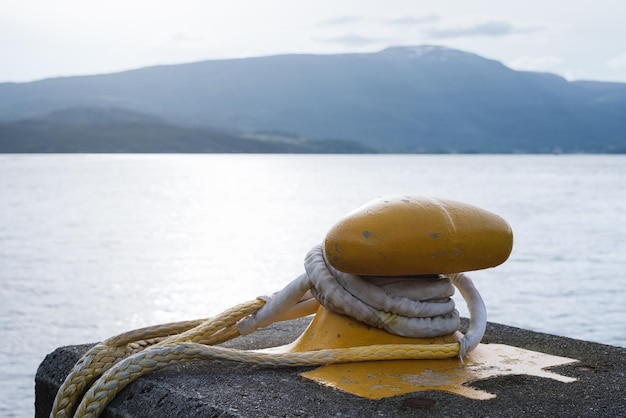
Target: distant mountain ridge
[[401, 99], [111, 130]]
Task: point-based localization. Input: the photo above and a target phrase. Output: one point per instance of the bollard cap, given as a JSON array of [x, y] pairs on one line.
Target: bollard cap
[[402, 235]]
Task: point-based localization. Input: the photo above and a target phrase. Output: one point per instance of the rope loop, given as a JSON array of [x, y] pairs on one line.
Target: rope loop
[[432, 315], [417, 307]]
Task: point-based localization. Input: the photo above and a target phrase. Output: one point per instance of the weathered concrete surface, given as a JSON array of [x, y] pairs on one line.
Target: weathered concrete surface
[[224, 389]]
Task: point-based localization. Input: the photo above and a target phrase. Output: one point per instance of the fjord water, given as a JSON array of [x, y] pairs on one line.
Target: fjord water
[[94, 245]]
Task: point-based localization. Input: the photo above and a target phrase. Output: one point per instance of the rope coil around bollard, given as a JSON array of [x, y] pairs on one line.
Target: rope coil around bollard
[[418, 307]]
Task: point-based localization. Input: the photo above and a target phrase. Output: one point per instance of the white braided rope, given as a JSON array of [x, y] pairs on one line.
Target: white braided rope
[[348, 294], [409, 307]]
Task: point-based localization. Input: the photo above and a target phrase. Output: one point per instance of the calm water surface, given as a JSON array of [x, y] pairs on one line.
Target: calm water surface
[[93, 245]]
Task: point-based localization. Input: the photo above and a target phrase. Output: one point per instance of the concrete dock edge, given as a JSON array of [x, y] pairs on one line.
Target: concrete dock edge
[[226, 389]]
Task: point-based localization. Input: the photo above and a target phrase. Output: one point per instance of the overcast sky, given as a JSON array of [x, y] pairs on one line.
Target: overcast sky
[[577, 39]]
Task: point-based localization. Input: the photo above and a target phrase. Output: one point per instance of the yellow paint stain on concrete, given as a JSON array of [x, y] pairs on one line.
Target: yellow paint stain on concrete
[[381, 379]]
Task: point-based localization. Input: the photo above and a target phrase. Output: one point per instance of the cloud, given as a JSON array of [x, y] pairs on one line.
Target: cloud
[[354, 40], [490, 28], [383, 28], [342, 20], [536, 63], [361, 31], [400, 21], [413, 20], [180, 37], [618, 62]]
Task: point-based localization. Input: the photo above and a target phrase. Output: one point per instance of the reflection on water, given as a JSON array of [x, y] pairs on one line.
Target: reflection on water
[[93, 245]]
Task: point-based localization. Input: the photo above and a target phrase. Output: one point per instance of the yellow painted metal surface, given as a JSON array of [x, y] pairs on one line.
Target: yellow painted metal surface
[[380, 379], [413, 235], [332, 330]]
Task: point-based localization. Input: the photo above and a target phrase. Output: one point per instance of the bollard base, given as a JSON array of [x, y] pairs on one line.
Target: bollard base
[[226, 389]]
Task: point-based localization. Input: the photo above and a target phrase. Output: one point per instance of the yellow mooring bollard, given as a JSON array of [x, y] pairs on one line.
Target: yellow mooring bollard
[[414, 238]]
